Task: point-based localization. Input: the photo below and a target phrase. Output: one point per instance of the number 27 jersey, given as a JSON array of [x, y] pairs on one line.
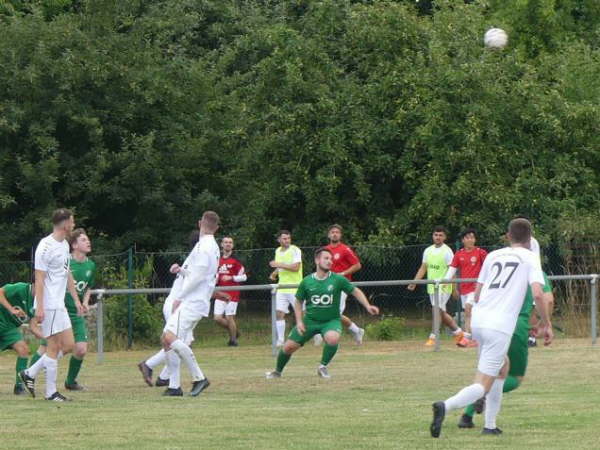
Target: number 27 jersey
[[322, 297], [505, 276]]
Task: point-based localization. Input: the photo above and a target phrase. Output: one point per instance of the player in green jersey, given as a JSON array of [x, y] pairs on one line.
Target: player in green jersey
[[16, 308], [320, 292], [84, 274], [518, 352]]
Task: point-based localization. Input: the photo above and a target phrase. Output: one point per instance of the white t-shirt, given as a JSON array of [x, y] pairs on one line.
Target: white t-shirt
[[505, 275], [200, 277], [53, 257], [534, 246]]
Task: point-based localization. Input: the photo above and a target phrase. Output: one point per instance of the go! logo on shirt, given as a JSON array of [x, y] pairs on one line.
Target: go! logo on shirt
[[325, 299]]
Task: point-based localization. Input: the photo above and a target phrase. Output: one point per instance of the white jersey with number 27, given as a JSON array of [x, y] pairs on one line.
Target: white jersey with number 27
[[505, 276]]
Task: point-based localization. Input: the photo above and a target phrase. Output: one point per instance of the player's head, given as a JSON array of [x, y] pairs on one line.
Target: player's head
[[79, 241], [209, 224], [334, 233], [439, 235], [227, 244], [63, 220], [519, 232], [284, 237], [323, 259], [468, 237]]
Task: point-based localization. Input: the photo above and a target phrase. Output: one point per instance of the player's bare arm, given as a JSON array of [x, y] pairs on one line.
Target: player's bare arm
[[35, 329], [541, 306], [362, 299], [86, 301], [73, 291], [299, 317], [351, 270], [294, 267], [419, 276], [11, 309], [40, 276], [478, 288]]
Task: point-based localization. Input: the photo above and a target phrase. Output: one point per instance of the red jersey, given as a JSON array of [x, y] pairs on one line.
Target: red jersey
[[232, 267], [469, 263], [343, 258]]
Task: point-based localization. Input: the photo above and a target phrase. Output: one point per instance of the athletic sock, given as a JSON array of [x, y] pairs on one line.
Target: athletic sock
[[470, 411], [465, 397], [174, 368], [353, 328], [328, 353], [35, 358], [51, 372], [493, 401], [280, 330], [187, 356], [457, 331], [21, 365], [467, 335], [164, 373], [432, 336], [510, 384], [34, 370], [282, 360], [156, 360], [74, 368]]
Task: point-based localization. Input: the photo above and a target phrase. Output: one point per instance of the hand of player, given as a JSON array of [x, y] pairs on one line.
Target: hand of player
[[176, 304], [18, 312], [274, 264], [34, 327], [300, 327], [79, 307], [175, 268], [273, 276], [411, 287], [226, 296], [86, 307], [373, 310], [548, 334], [39, 314]]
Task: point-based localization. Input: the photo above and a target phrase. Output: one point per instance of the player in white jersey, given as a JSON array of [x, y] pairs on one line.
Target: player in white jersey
[[199, 273], [52, 278], [501, 289]]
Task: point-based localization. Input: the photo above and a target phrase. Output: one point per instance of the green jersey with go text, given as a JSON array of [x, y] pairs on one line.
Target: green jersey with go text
[[84, 274], [322, 297], [19, 295]]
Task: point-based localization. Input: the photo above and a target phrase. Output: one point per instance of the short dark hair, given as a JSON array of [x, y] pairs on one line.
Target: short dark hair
[[440, 229], [335, 225], [74, 236], [280, 232], [321, 250], [466, 231], [60, 215], [519, 231]]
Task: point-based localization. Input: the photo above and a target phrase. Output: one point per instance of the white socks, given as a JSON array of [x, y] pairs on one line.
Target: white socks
[[280, 331], [164, 373], [457, 331], [465, 397], [51, 373], [187, 356], [35, 369], [156, 359], [353, 328], [174, 368], [493, 401]]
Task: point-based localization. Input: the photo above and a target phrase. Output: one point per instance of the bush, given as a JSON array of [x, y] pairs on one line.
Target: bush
[[388, 329]]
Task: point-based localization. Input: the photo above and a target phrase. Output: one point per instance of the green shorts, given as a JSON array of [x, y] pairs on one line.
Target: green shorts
[[314, 327], [9, 337], [79, 328], [518, 351]]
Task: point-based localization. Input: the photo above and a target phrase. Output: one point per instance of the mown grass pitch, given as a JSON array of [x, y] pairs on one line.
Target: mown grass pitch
[[379, 396]]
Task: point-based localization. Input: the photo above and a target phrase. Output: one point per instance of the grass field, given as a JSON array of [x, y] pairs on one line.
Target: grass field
[[379, 396]]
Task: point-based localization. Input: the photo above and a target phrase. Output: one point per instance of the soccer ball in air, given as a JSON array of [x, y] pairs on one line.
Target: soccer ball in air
[[495, 38]]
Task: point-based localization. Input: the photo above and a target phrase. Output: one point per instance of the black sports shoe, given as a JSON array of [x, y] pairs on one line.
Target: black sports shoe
[[531, 342], [161, 382], [74, 387], [173, 392], [479, 405], [28, 382], [233, 344], [492, 431], [465, 421], [439, 412], [199, 386], [19, 389], [58, 397], [146, 373]]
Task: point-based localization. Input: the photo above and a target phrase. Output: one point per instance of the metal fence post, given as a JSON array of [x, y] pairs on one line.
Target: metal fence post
[[100, 330], [594, 306], [274, 319], [436, 314], [130, 298]]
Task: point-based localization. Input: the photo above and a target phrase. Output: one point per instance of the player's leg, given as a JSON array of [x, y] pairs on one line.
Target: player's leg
[[294, 342], [147, 367], [493, 401], [282, 308], [357, 332], [331, 332], [80, 348], [14, 338], [219, 314], [39, 353], [449, 321], [232, 326]]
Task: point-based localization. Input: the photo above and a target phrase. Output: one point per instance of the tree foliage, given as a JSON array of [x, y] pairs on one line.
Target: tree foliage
[[386, 116]]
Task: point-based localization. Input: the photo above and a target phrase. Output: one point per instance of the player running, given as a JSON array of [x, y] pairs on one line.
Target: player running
[[499, 296], [52, 278], [468, 260], [436, 259], [321, 294], [16, 308], [288, 270], [231, 273]]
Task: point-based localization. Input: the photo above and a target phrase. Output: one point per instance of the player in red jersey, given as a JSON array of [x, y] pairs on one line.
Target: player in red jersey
[[231, 273], [346, 263], [468, 260]]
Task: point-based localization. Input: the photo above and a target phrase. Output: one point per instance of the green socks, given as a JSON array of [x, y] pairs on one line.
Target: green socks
[[470, 411], [74, 368], [36, 356], [510, 384], [21, 365], [282, 360], [328, 353]]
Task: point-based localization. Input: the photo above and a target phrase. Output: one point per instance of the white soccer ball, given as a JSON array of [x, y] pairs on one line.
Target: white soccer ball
[[495, 38]]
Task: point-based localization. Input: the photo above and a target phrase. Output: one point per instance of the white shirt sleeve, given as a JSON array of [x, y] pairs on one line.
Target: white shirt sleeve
[[40, 258], [195, 273], [483, 274], [449, 255], [296, 255], [535, 274], [424, 259], [241, 276], [450, 273]]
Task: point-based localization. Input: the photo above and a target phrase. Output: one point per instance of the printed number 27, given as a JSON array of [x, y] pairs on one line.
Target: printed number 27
[[497, 281]]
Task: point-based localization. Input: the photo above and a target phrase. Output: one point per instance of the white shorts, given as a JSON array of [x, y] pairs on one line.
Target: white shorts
[[284, 301], [343, 297], [182, 323], [444, 297], [55, 321], [467, 299], [493, 346], [227, 308]]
